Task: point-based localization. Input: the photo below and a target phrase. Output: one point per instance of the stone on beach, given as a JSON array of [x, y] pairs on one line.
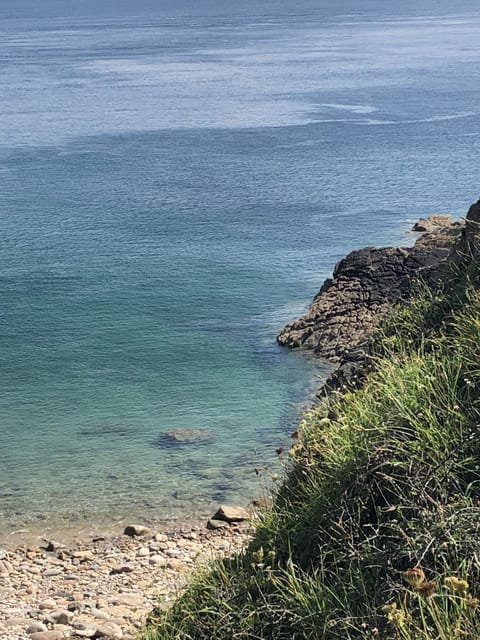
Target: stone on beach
[[61, 616], [121, 568], [48, 635], [5, 568], [231, 514], [214, 524], [134, 530], [128, 599], [36, 627], [109, 630]]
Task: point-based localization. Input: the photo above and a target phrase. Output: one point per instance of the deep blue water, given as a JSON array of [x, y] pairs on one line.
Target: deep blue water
[[175, 184]]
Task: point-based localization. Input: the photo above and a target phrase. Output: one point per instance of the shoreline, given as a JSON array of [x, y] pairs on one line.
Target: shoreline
[[35, 533]]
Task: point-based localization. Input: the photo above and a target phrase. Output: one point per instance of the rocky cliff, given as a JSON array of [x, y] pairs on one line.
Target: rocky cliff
[[349, 306]]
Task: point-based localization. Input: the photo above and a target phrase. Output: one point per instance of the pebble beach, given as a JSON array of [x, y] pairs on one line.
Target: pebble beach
[[104, 586]]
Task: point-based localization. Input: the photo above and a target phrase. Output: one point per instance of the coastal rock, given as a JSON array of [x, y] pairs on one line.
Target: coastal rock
[[349, 306], [468, 247], [435, 221], [174, 437]]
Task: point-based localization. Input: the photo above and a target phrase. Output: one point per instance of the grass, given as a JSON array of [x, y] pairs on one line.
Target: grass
[[383, 480]]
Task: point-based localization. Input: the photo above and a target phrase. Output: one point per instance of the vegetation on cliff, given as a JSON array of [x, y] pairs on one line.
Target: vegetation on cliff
[[375, 531]]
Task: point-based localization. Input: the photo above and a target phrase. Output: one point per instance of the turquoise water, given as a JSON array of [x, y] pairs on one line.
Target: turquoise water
[[174, 186]]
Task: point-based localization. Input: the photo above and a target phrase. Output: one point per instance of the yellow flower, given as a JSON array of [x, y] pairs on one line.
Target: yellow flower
[[395, 615], [455, 584], [414, 577]]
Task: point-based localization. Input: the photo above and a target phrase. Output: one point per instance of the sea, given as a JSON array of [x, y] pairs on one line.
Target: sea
[[177, 179]]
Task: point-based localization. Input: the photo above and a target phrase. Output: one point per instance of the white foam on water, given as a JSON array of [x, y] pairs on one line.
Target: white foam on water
[[354, 108]]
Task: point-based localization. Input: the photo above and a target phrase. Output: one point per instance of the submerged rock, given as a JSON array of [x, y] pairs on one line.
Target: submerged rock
[[175, 437]]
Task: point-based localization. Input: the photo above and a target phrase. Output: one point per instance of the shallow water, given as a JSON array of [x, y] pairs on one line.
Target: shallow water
[[174, 187]]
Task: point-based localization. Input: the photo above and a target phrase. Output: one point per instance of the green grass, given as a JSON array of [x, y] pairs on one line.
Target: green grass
[[383, 479]]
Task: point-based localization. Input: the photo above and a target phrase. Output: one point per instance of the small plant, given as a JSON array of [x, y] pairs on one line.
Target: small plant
[[446, 612]]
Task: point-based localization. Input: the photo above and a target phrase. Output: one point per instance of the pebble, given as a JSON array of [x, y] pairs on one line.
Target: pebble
[[90, 632], [5, 568], [97, 613], [61, 616], [36, 627], [49, 573], [110, 630], [128, 599], [47, 635], [16, 622], [122, 568]]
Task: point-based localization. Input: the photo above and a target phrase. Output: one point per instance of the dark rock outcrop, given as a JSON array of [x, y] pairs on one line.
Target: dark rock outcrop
[[349, 306], [433, 222]]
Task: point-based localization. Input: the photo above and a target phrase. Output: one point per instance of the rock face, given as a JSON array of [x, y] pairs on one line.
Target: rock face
[[349, 306], [468, 247]]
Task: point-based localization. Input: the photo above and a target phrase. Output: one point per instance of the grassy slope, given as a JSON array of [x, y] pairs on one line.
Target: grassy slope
[[382, 480]]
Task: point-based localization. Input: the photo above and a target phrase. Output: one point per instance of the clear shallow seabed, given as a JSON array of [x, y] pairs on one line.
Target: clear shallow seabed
[[174, 187]]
